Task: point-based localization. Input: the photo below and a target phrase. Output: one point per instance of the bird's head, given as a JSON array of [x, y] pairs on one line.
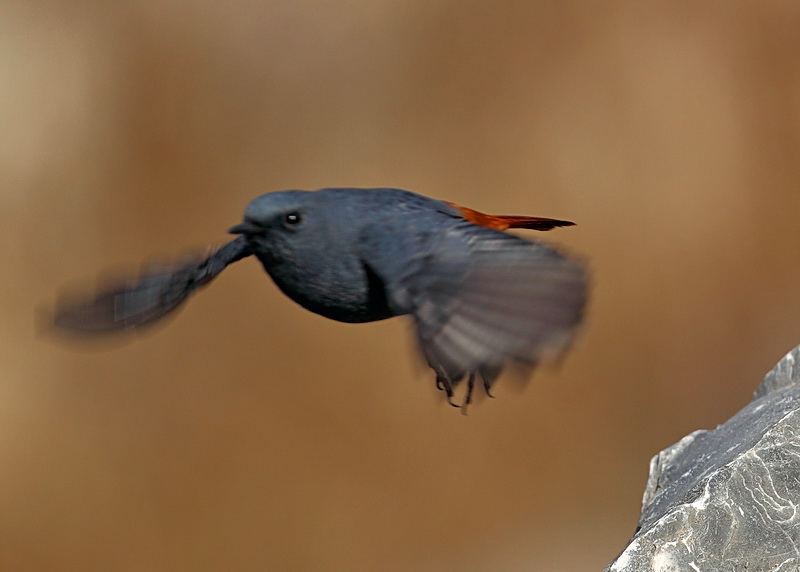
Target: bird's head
[[284, 212]]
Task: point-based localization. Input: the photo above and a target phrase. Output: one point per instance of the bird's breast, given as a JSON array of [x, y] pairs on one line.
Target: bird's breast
[[345, 292]]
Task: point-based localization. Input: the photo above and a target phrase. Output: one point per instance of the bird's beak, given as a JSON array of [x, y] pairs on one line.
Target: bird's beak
[[246, 228]]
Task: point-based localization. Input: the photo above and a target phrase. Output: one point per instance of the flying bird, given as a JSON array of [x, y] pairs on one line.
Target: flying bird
[[481, 299]]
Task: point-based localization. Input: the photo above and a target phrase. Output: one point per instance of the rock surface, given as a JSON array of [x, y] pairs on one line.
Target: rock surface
[[727, 499]]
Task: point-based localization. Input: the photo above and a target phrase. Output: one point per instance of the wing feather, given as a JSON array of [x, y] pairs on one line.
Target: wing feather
[[483, 300], [140, 301]]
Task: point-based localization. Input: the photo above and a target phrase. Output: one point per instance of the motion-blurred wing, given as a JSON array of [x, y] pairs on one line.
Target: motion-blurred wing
[[148, 298], [483, 299]]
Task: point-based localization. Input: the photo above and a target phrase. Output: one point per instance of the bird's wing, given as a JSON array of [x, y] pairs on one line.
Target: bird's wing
[[481, 299], [139, 301]]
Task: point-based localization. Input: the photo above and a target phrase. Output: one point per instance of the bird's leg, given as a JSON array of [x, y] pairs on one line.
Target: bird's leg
[[443, 384], [470, 387], [487, 386]]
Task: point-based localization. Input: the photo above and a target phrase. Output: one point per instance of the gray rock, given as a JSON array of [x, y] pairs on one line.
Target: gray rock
[[727, 499]]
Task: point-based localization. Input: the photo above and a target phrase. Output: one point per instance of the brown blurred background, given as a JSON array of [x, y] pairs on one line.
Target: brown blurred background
[[249, 434]]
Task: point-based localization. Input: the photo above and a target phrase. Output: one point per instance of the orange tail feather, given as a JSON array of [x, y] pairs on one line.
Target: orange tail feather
[[504, 222]]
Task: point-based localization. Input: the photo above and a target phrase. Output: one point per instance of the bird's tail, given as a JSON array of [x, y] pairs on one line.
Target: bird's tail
[[504, 222]]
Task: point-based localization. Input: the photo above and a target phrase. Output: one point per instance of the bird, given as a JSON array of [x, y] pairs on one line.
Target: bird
[[480, 298]]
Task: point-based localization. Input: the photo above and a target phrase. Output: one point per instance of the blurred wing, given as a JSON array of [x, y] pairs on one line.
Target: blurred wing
[[148, 298], [483, 299]]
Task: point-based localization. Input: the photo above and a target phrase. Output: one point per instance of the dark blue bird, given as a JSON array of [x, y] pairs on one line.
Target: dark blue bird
[[480, 298]]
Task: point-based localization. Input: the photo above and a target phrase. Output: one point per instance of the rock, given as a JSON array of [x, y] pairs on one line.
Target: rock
[[729, 498]]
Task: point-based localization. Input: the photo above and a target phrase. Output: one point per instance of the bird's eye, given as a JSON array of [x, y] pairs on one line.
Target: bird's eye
[[292, 219]]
